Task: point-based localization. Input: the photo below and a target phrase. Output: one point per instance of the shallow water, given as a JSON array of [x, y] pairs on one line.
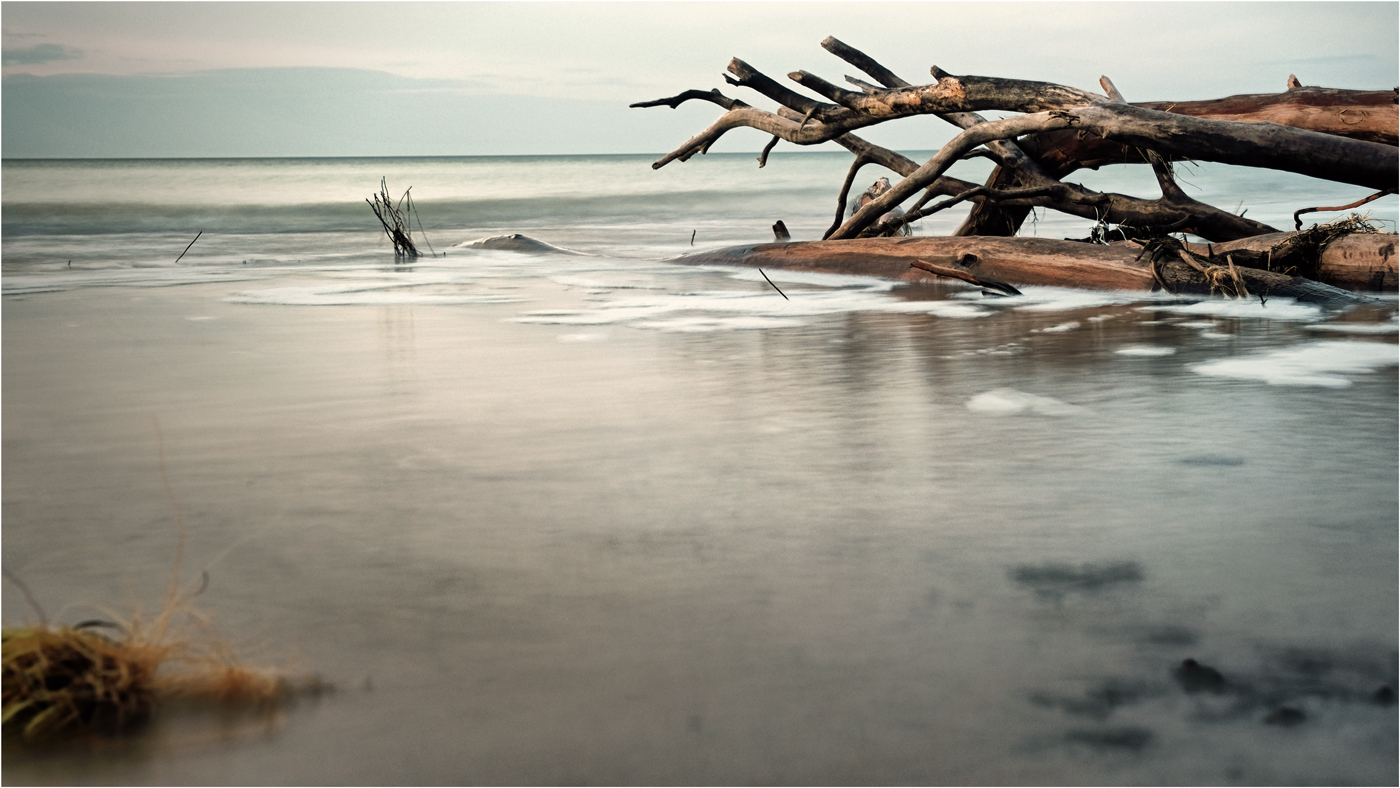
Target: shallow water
[[565, 519]]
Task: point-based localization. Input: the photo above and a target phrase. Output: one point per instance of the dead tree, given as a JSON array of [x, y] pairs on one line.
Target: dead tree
[[1339, 135]]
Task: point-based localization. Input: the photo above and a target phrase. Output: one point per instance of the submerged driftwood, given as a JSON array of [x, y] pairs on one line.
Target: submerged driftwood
[[1346, 136]]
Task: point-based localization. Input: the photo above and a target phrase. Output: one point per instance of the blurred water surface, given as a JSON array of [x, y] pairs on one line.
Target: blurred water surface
[[603, 519]]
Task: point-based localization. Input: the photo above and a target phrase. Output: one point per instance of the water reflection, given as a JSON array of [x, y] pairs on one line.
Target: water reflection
[[796, 554]]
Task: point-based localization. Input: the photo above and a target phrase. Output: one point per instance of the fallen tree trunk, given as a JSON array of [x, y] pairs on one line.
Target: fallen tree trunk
[[1265, 145], [1017, 261], [1356, 261], [1343, 136], [1369, 115]]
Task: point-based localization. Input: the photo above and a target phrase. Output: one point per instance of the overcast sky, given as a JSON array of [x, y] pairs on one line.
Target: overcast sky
[[389, 79]]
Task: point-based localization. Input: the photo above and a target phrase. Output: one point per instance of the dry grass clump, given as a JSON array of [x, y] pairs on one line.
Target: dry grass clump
[[71, 679], [65, 679], [1301, 253]]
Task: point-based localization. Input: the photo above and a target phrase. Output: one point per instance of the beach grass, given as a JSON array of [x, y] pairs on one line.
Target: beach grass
[[63, 680]]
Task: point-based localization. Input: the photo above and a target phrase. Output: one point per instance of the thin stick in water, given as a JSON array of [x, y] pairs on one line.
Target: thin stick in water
[[182, 254], [775, 287]]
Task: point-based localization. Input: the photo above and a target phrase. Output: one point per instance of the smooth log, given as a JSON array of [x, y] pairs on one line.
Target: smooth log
[[1019, 261]]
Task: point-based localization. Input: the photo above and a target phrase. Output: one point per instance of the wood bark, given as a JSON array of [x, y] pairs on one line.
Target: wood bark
[[1358, 261], [1276, 147], [1364, 163], [1018, 261], [1343, 136], [1359, 114]]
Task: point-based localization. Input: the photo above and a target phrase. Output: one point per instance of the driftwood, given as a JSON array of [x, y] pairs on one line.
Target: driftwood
[[993, 262], [1339, 135], [393, 218], [1335, 254], [1360, 114]]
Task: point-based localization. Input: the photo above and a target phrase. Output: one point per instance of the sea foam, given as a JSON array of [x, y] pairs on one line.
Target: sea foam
[[1324, 363]]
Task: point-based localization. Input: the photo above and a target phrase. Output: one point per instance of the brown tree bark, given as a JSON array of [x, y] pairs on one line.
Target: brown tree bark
[[1292, 150], [1343, 136], [1018, 261], [1371, 115]]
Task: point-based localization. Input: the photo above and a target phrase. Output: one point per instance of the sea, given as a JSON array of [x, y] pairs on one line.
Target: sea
[[582, 515]]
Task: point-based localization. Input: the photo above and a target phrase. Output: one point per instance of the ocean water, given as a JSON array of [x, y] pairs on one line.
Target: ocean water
[[595, 517]]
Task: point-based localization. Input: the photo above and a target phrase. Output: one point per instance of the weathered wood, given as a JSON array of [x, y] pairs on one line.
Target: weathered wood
[[1335, 135], [1173, 136], [1323, 110], [1357, 261], [959, 273], [1254, 145], [1371, 115], [1019, 261], [952, 94]]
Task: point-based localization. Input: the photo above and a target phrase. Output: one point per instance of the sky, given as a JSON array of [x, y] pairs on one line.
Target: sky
[[173, 79]]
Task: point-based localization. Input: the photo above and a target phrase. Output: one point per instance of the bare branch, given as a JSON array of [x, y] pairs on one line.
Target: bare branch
[[1298, 223], [763, 157], [863, 62], [749, 77], [860, 161], [712, 96], [823, 88]]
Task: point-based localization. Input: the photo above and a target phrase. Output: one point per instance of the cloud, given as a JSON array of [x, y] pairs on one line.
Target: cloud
[[39, 53]]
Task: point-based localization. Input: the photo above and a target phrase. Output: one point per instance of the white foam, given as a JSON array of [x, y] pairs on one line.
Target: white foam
[[1010, 401], [703, 324], [809, 278], [1060, 299], [355, 295], [1273, 309], [603, 284], [1146, 351], [1359, 328], [717, 308], [1060, 329], [1323, 363]]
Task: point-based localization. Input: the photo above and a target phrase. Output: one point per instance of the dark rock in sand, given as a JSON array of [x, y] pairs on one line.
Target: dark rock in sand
[[1385, 696], [1195, 677]]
